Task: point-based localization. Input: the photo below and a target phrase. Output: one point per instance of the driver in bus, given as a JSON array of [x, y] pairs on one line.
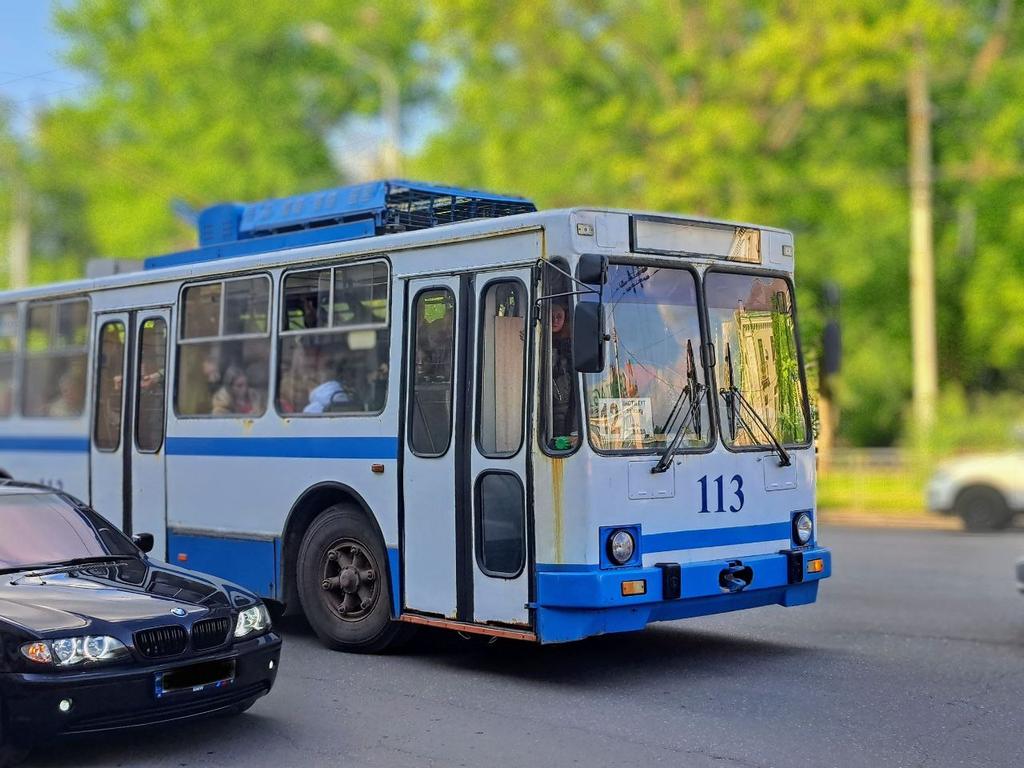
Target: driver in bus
[[563, 426]]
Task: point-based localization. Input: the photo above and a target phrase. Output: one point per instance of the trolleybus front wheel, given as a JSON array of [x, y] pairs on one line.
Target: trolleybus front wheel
[[343, 583]]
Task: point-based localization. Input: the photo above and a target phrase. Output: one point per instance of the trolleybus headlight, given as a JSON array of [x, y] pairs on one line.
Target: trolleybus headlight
[[803, 527], [620, 547]]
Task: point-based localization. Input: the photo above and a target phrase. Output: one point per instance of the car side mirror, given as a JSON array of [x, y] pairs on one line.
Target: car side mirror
[[588, 337], [592, 269], [143, 541]]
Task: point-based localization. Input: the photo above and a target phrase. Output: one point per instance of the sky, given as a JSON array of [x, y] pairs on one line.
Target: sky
[[32, 73]]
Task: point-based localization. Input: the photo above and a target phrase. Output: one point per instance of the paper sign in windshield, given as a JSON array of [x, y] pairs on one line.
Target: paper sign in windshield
[[629, 420]]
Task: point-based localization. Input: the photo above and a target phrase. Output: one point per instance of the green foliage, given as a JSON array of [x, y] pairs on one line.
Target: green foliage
[[206, 102], [774, 111]]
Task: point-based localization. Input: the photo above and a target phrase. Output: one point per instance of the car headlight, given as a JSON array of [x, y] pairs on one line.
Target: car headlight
[[72, 651], [803, 528], [252, 621], [621, 547]]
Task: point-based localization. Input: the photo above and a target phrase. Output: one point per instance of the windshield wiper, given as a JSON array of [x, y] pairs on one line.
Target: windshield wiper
[[732, 396], [693, 390], [70, 563]]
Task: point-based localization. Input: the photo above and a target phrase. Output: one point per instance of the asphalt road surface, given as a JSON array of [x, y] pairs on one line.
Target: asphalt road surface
[[913, 656]]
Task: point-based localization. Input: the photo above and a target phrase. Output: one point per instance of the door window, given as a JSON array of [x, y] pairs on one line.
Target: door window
[[8, 352], [109, 387], [501, 535], [502, 365], [430, 398], [151, 390]]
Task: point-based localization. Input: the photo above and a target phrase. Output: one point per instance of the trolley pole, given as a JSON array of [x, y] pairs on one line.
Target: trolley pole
[[922, 259]]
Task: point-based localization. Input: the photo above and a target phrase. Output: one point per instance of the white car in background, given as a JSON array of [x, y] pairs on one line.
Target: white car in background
[[986, 491]]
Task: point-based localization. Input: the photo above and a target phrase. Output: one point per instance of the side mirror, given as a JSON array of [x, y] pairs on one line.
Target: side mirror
[[588, 337], [143, 541], [831, 348], [592, 269]]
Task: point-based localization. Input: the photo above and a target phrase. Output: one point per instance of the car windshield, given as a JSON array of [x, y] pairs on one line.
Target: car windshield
[[43, 528], [752, 328], [643, 395]]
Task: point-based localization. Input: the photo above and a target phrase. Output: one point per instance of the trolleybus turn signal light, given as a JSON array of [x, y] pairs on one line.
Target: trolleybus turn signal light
[[637, 587], [815, 566]]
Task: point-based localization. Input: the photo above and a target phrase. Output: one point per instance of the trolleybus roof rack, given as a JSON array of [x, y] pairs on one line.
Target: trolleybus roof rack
[[343, 213]]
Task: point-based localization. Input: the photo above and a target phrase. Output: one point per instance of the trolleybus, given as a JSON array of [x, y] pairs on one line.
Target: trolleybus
[[398, 403]]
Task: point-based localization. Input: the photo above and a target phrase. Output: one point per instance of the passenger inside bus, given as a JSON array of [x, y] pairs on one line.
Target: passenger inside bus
[[70, 396], [235, 396]]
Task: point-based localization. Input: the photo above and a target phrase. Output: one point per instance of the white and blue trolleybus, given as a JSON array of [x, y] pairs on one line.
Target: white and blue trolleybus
[[398, 403]]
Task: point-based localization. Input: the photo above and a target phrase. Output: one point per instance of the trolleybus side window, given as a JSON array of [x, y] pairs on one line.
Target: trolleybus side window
[[224, 348], [150, 392], [8, 354], [109, 387], [502, 367], [56, 348], [560, 417], [430, 397], [334, 341]]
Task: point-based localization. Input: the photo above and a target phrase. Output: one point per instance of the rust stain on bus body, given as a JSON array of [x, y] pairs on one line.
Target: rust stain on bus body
[[556, 505]]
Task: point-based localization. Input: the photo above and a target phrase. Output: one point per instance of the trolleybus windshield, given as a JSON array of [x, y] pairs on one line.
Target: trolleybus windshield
[[641, 397]]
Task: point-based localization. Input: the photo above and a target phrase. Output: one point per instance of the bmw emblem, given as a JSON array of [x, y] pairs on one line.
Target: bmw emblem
[[178, 611]]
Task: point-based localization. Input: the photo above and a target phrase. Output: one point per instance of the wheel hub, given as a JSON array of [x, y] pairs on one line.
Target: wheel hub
[[350, 584]]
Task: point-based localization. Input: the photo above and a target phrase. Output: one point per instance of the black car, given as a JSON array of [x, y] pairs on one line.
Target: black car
[[96, 635]]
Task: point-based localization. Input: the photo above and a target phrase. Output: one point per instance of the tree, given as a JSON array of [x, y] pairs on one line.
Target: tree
[[207, 102]]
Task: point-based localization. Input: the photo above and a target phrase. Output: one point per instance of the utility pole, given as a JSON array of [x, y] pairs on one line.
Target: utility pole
[[922, 258], [320, 34], [20, 234]]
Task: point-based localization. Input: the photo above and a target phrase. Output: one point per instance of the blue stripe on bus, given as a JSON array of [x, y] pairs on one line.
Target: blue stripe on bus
[[286, 447], [715, 537], [45, 444]]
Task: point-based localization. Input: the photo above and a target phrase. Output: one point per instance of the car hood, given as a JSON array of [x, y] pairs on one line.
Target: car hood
[[138, 591]]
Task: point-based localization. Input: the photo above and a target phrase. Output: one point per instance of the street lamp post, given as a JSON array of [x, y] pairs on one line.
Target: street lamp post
[[320, 34]]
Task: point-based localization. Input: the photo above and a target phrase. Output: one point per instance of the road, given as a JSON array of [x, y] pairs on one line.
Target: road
[[913, 656]]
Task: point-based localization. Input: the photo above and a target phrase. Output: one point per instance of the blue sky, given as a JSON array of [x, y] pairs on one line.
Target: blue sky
[[32, 73]]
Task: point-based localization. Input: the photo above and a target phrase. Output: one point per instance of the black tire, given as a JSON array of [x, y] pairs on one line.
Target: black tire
[[342, 577], [983, 509]]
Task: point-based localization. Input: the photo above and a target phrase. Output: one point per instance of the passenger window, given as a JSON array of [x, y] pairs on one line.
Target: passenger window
[[502, 365], [560, 415], [8, 355], [151, 389], [56, 339], [109, 387], [501, 522], [430, 399], [224, 349], [334, 341]]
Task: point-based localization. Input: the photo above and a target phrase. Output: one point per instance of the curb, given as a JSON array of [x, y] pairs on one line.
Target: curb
[[919, 522]]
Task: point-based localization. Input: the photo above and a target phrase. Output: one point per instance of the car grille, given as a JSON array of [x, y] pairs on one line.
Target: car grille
[[161, 641], [209, 633]]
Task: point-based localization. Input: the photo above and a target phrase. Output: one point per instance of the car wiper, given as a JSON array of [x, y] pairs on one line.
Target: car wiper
[[732, 396], [70, 563], [694, 390]]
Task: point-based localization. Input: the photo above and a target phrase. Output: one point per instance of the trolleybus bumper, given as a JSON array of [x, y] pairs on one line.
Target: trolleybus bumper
[[577, 601]]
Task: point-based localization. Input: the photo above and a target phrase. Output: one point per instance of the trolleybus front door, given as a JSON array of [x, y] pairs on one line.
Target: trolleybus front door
[[435, 369], [128, 482]]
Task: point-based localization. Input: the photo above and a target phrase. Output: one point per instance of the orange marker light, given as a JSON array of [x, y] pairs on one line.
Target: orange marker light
[[815, 566], [638, 587], [182, 557]]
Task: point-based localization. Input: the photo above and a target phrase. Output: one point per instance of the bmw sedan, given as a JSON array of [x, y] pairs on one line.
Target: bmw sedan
[[95, 635]]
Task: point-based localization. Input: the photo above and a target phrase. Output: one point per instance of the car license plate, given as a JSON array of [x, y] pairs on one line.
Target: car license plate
[[195, 678]]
